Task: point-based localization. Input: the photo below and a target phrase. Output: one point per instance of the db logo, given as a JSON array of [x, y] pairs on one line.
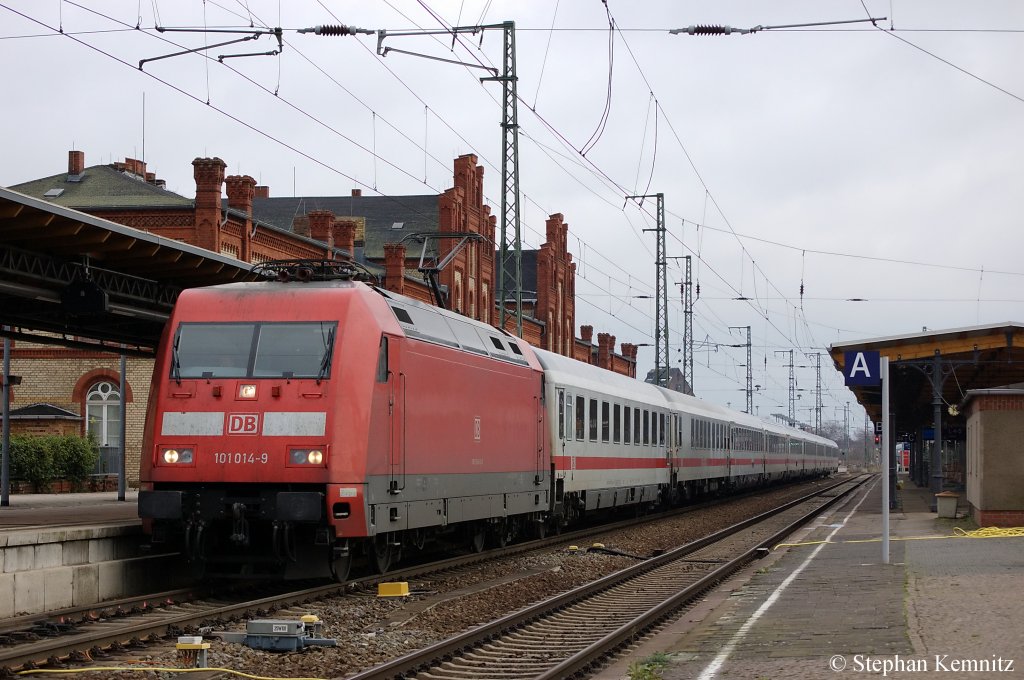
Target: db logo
[[243, 423]]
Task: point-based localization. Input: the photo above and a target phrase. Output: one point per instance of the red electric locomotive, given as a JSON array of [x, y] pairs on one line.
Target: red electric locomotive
[[293, 426]]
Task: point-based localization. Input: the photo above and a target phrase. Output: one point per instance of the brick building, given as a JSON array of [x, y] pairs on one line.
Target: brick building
[[387, 235], [995, 455]]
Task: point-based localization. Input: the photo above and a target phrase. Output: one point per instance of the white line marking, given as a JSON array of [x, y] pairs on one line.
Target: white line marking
[[716, 664]]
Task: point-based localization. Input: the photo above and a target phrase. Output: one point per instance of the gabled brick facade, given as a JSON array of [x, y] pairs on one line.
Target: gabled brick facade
[[128, 194]]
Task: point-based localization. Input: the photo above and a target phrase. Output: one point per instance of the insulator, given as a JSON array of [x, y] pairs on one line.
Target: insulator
[[334, 29], [709, 30], [801, 290]]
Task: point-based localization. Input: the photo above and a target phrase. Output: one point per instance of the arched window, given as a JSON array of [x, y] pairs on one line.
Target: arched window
[[103, 421]]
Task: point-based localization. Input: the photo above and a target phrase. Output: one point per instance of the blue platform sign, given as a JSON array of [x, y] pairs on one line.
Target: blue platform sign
[[862, 368]]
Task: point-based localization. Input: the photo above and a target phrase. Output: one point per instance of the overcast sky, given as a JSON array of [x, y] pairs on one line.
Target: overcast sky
[[854, 161]]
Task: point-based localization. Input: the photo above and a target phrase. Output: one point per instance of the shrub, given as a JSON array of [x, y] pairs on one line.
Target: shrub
[[74, 458], [31, 460], [40, 460]]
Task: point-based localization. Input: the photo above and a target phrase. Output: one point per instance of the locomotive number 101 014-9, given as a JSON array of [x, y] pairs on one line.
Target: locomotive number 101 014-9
[[240, 458]]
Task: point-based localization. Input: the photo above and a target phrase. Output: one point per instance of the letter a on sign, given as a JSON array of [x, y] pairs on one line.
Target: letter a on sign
[[862, 368]]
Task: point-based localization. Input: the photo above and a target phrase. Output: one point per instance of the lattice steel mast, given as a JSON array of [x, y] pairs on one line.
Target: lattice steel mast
[[688, 327], [510, 254], [661, 360]]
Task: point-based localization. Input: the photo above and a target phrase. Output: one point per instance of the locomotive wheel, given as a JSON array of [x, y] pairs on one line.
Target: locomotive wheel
[[477, 537], [540, 529], [340, 566], [502, 533], [382, 555]]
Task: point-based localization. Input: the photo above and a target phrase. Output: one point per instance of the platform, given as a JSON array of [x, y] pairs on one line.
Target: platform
[[59, 551], [943, 607], [41, 510]]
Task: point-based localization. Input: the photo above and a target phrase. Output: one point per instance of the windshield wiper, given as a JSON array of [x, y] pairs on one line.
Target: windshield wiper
[[175, 361], [325, 361]]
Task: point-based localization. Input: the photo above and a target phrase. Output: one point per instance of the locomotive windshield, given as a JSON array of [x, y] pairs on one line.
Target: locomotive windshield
[[253, 350]]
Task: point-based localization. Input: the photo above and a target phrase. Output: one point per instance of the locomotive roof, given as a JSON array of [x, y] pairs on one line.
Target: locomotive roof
[[444, 327]]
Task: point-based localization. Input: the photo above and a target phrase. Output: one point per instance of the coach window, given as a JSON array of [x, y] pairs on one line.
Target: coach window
[[647, 427], [593, 420], [661, 429], [627, 420], [605, 424], [580, 416], [561, 414], [617, 424], [636, 426]]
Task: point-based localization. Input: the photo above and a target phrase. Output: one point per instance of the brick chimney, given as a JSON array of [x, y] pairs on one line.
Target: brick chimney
[[345, 238], [241, 189], [603, 352], [470, 178], [587, 334], [394, 267], [262, 191], [629, 353], [209, 175], [321, 226], [357, 193], [76, 162]]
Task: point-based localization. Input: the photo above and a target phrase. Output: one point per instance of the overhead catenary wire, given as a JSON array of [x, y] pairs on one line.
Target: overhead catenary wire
[[593, 250]]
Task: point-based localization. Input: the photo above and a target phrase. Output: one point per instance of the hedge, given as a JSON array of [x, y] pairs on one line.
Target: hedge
[[40, 460]]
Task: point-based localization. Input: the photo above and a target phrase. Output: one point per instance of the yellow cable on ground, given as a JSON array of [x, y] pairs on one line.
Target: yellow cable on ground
[[990, 532], [66, 671]]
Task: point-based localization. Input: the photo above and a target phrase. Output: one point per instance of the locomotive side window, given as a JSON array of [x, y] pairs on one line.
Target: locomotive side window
[[581, 408], [593, 420], [382, 360]]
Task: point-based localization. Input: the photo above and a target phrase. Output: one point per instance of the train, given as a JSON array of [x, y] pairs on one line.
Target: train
[[304, 422]]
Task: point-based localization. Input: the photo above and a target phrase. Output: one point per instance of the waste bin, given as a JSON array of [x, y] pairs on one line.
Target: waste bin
[[946, 503]]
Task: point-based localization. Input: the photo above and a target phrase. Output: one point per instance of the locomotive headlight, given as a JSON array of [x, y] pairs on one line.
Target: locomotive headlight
[[180, 456], [246, 391], [306, 456]]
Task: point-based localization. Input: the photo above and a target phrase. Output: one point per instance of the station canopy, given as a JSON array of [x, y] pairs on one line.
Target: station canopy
[[72, 279], [972, 358]]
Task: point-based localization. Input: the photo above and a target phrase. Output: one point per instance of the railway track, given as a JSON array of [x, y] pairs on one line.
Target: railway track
[[75, 635], [566, 634]]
